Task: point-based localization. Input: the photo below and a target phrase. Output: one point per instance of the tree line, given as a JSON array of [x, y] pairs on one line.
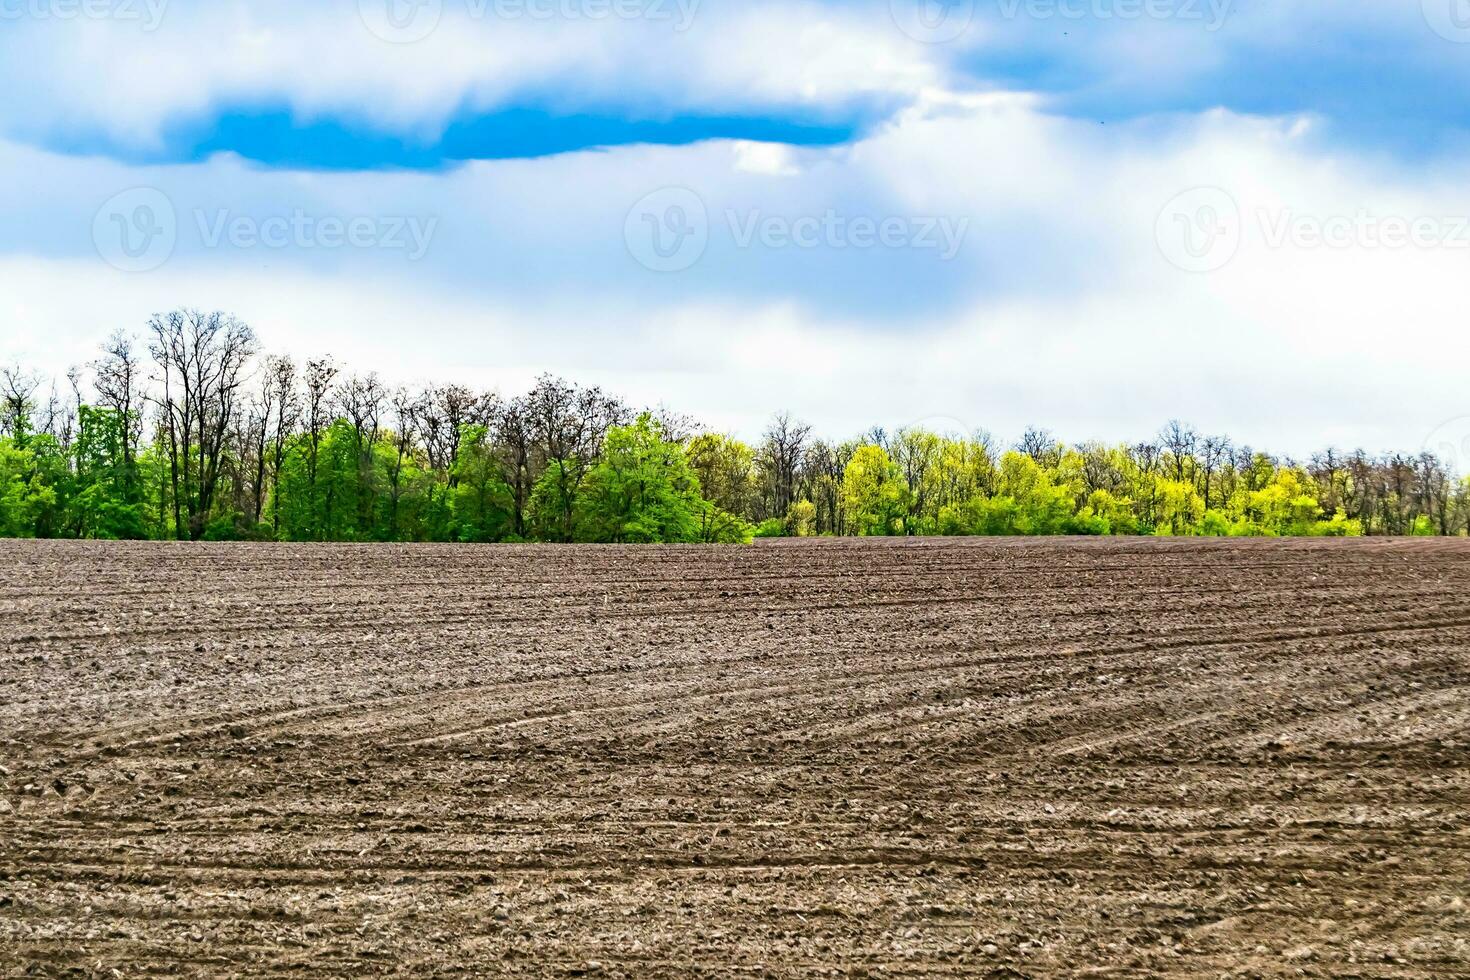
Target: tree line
[[191, 432]]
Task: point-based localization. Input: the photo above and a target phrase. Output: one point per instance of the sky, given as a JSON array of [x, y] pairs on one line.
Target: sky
[[1088, 215]]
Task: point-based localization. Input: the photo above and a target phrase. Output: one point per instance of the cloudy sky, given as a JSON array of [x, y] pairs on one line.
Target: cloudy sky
[[1092, 215]]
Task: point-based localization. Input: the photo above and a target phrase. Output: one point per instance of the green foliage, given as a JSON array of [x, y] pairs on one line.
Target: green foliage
[[301, 499], [551, 498], [47, 483], [1030, 502], [554, 466], [641, 491], [726, 471], [718, 526], [1178, 508], [480, 503], [1339, 526], [25, 499], [802, 519], [1283, 506], [228, 526], [875, 493], [1118, 513], [105, 499], [771, 527], [1215, 525]]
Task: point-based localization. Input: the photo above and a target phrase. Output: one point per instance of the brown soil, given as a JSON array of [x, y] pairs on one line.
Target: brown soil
[[1018, 758]]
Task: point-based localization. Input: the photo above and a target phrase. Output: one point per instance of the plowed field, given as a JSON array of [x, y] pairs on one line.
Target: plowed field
[[1019, 758]]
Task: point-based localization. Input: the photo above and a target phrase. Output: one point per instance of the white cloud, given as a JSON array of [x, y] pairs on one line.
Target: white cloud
[[773, 159], [1063, 309], [321, 59], [1113, 366]]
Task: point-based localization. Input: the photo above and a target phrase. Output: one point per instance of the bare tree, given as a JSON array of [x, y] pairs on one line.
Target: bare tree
[[1041, 446], [1146, 456], [1214, 454], [516, 445], [568, 423], [1100, 471], [443, 412], [1363, 486], [63, 416], [917, 453], [243, 467], [1179, 441], [677, 426], [405, 426], [282, 401], [118, 380], [780, 458], [1433, 492], [17, 389], [1331, 476], [824, 467], [268, 416], [201, 360], [362, 399], [317, 384]]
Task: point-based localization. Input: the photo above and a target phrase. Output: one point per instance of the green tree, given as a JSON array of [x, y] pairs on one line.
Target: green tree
[[641, 490], [874, 493], [480, 500], [727, 472], [1178, 508], [25, 499], [802, 519], [105, 502]]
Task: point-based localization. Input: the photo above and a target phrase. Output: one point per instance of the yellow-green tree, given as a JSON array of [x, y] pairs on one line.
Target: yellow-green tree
[[874, 493]]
